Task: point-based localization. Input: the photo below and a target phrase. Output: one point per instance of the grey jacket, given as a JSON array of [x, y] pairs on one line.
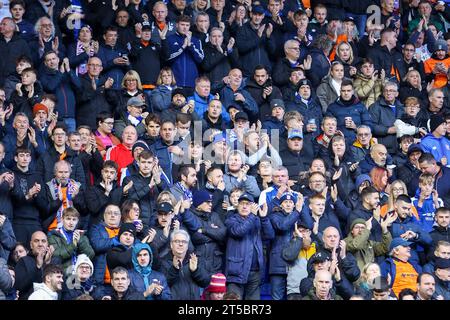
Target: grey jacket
[[249, 185], [326, 93]]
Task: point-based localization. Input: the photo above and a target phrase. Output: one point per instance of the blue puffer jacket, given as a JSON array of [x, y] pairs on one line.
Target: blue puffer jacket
[[356, 110], [424, 240], [245, 235], [184, 61], [438, 147], [101, 243]]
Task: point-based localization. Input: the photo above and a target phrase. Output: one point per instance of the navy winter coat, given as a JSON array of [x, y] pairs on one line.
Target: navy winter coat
[[245, 235]]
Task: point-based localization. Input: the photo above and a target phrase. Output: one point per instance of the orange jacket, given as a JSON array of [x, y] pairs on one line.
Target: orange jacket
[[440, 80]]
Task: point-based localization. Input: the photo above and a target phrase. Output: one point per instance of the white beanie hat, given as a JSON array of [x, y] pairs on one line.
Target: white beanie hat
[[82, 258]]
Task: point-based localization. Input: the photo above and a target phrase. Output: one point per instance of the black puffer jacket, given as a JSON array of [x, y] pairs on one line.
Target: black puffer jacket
[[184, 284]]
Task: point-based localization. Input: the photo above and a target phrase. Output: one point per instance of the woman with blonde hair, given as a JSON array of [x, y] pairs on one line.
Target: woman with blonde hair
[[344, 54], [369, 274], [395, 189], [162, 94], [412, 86], [131, 86]]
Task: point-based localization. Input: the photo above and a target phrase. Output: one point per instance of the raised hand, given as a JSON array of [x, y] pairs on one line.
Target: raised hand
[[300, 202], [193, 262], [263, 211], [254, 208], [127, 187]]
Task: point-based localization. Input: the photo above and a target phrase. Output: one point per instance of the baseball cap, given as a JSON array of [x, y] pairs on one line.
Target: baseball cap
[[246, 196], [164, 207], [241, 116], [136, 101], [399, 242], [258, 9], [295, 133], [319, 257]]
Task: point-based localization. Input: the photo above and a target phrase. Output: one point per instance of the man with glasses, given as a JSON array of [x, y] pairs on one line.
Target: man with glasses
[[104, 236], [384, 112], [364, 140], [181, 267], [409, 61], [91, 94]]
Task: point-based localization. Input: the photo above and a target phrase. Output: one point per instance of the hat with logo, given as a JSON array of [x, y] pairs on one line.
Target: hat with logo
[[277, 103], [200, 196], [295, 133], [247, 197], [164, 207]]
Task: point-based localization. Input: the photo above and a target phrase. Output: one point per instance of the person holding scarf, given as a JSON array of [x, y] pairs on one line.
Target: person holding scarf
[[62, 192], [152, 284], [69, 241], [80, 51]]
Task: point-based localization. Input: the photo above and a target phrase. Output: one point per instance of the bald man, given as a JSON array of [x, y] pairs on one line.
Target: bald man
[[332, 244], [121, 153], [29, 269], [378, 157], [323, 284], [91, 91], [234, 94]]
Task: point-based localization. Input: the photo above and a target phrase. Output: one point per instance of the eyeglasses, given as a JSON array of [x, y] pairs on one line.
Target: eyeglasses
[[294, 48], [59, 134], [84, 267], [183, 242], [109, 123], [47, 25], [363, 134], [113, 213], [390, 91]]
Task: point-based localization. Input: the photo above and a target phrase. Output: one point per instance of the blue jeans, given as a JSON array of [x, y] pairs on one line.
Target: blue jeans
[[278, 287], [70, 124]]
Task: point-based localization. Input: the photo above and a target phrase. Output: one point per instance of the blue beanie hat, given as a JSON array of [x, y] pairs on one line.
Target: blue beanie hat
[[200, 196]]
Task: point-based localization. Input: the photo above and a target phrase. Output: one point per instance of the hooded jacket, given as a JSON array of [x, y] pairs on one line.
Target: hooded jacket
[[42, 292], [367, 89], [142, 277]]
